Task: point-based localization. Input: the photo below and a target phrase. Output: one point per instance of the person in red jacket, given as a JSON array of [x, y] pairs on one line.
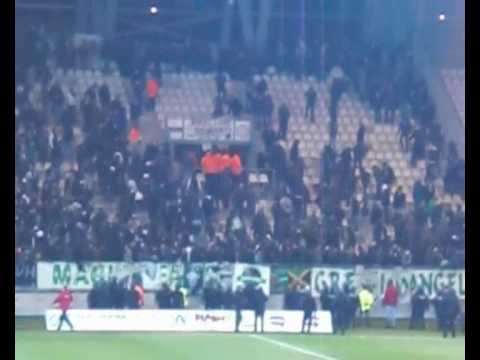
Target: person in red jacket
[[236, 164], [64, 300], [134, 135], [152, 92], [235, 168], [390, 301]]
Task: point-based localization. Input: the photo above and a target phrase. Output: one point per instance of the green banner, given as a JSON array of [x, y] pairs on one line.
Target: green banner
[[248, 274], [407, 280], [199, 275], [55, 275], [276, 280]]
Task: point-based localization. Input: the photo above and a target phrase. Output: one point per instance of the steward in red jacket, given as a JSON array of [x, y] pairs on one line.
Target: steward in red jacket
[[390, 301], [64, 300]]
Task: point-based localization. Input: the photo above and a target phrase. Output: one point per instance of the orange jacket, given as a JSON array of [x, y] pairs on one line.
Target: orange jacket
[[133, 135], [225, 162], [207, 164], [236, 164], [152, 88], [217, 163]]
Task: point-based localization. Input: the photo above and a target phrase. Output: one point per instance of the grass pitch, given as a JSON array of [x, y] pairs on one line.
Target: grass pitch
[[356, 345]]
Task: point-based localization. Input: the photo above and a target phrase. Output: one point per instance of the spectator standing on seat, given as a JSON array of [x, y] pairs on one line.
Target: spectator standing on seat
[[419, 146], [390, 301], [283, 118], [311, 101], [152, 92], [399, 199], [268, 109], [155, 70], [295, 152], [359, 152], [405, 127], [235, 107], [336, 91], [361, 135], [220, 80], [218, 103], [333, 130]]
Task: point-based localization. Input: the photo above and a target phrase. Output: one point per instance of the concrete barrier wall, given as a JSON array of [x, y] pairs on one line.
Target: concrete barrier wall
[[35, 303]]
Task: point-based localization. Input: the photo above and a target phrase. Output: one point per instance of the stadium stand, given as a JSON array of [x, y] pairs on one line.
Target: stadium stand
[[455, 82], [78, 177]]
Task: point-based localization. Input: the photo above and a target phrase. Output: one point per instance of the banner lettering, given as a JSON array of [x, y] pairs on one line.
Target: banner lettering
[[55, 275], [407, 280], [25, 275]]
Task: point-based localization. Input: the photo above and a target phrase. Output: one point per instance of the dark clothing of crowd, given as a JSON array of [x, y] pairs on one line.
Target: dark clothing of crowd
[[112, 295], [166, 298], [83, 192]]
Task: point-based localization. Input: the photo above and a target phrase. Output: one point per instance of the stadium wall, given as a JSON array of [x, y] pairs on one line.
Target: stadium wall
[[35, 303]]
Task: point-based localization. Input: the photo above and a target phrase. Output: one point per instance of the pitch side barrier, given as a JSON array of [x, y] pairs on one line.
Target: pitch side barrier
[[186, 321]]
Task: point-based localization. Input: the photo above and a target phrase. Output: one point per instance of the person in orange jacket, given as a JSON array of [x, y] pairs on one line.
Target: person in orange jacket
[[236, 164], [225, 161], [134, 135], [152, 92]]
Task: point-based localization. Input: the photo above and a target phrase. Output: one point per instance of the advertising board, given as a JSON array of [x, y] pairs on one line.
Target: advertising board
[[184, 320]]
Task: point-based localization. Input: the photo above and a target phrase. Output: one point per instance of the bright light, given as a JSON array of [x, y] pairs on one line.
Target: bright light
[[441, 17], [153, 10]]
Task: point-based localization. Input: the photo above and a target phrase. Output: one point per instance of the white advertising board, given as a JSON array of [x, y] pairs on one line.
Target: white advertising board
[[145, 320], [184, 320], [282, 321]]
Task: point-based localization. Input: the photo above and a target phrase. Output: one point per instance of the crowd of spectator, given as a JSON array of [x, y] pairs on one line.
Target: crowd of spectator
[[125, 293], [85, 191], [401, 234]]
